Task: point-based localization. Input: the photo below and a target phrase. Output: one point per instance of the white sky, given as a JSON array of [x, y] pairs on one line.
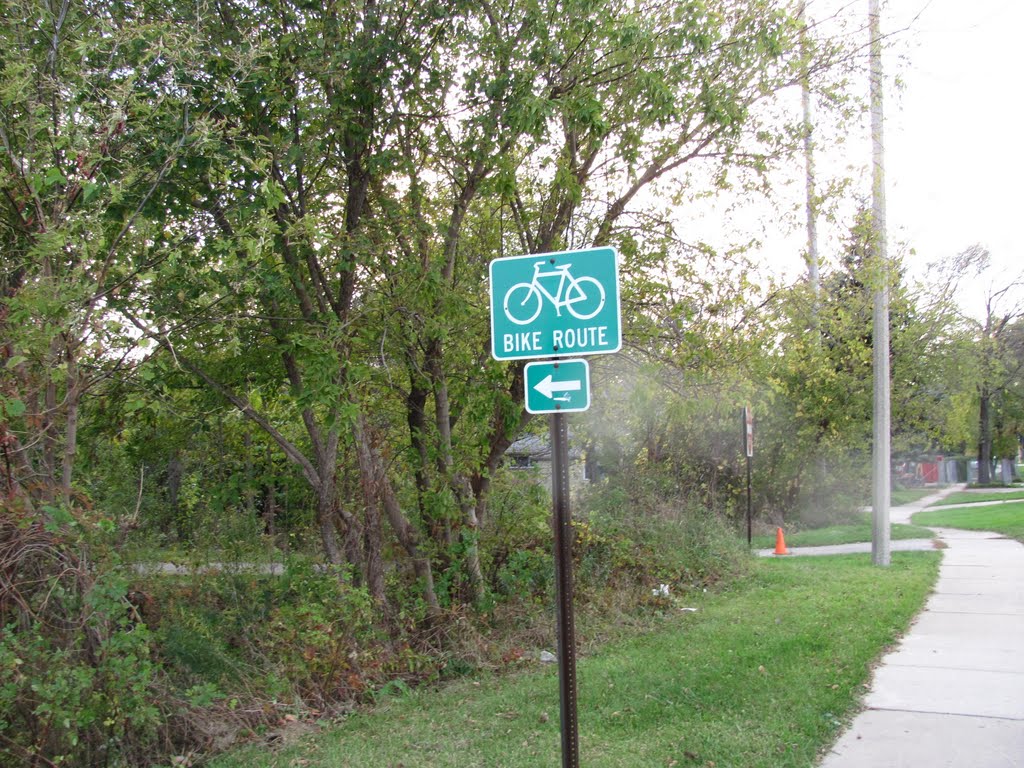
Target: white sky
[[954, 145], [955, 161]]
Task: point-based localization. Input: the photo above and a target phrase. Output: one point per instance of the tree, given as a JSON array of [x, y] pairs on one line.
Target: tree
[[1008, 414], [823, 381], [998, 340], [297, 205], [89, 134], [351, 197]]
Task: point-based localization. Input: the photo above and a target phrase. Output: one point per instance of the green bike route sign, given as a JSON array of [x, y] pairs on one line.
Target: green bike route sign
[[558, 386], [555, 305]]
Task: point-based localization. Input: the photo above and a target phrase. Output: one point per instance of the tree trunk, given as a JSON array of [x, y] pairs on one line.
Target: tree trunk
[[268, 511], [373, 553], [175, 472], [984, 436], [325, 510], [810, 180], [378, 491], [353, 544], [438, 527], [249, 494], [501, 439], [49, 438], [74, 394], [269, 506], [470, 535], [458, 482]]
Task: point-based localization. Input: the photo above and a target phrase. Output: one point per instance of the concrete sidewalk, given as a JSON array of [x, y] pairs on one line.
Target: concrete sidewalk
[[952, 693], [901, 545], [904, 512], [900, 514]]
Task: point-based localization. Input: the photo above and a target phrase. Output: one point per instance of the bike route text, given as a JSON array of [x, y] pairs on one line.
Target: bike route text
[[591, 337]]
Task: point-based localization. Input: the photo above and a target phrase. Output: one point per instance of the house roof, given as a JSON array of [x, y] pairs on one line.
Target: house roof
[[539, 449], [533, 446]]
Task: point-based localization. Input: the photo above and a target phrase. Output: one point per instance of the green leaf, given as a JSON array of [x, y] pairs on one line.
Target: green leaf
[[58, 517], [89, 191], [54, 176], [14, 408]]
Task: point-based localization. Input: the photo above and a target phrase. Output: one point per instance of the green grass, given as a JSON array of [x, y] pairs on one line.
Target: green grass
[[841, 534], [761, 676], [909, 495], [1007, 519], [970, 497]]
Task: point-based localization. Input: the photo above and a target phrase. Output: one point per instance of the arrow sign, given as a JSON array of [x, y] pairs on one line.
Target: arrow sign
[[548, 386], [557, 387]]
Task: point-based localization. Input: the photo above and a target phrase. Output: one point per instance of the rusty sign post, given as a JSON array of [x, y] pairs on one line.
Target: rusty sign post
[[566, 629]]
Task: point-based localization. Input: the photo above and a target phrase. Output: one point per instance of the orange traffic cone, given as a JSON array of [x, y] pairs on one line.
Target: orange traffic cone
[[780, 543]]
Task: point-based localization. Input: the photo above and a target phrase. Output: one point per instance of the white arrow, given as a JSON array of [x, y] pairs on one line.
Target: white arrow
[[548, 387]]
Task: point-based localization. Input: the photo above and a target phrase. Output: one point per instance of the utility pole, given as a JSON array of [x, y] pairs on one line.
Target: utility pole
[[812, 201], [880, 488]]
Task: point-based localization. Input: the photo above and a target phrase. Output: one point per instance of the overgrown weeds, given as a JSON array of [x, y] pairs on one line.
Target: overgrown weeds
[[76, 673], [109, 664]]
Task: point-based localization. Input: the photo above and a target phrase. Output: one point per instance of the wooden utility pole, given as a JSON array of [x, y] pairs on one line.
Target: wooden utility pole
[[880, 489]]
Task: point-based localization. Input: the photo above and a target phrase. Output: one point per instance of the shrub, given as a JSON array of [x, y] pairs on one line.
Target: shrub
[[515, 540], [76, 678], [308, 638], [652, 538], [321, 634], [527, 574]]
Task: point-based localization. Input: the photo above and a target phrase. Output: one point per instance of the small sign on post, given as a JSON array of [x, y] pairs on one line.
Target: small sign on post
[[561, 386]]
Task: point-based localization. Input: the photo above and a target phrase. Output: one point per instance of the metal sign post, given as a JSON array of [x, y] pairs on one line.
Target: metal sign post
[[557, 305], [562, 523], [748, 443]]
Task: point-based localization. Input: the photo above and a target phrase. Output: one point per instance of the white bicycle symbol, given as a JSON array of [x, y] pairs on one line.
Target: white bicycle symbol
[[523, 301]]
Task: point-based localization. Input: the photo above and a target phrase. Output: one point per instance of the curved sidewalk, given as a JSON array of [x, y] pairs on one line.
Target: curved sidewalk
[[900, 514], [898, 545], [951, 695]]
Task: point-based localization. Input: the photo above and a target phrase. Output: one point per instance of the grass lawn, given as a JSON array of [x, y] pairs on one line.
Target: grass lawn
[[1007, 519], [969, 497], [841, 534], [909, 495], [762, 675]]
